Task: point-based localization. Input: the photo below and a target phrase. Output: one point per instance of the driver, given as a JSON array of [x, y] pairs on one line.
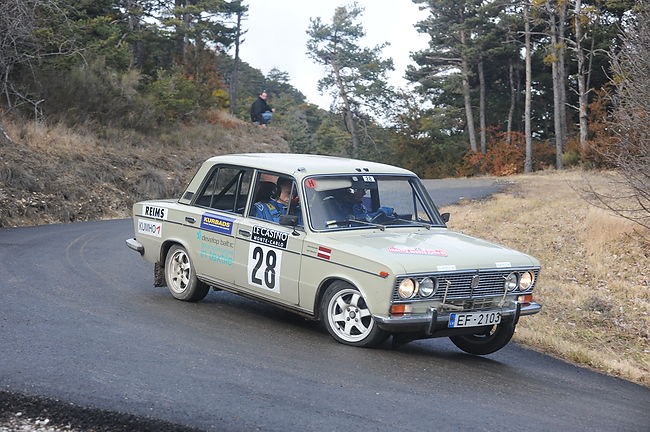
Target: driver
[[354, 208]]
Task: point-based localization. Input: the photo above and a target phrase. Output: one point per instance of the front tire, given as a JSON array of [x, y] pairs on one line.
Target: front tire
[[180, 276], [487, 340], [347, 318]]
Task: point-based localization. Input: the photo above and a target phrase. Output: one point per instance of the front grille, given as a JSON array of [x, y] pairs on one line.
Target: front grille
[[458, 285], [472, 304]]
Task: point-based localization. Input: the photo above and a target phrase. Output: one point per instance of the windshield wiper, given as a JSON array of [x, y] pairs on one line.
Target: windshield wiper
[[420, 224], [376, 225], [349, 221]]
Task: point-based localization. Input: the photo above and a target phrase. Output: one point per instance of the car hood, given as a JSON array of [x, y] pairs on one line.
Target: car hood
[[433, 250]]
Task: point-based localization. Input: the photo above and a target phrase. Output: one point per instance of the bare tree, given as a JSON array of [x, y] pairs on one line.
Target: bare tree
[[630, 197], [581, 75], [20, 47]]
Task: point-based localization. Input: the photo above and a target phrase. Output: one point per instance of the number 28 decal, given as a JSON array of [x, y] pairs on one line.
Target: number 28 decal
[[264, 265]]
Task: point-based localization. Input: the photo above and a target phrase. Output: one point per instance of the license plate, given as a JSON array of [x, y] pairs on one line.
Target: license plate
[[474, 319]]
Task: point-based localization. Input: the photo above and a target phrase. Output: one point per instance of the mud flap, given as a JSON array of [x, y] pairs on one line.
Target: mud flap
[[158, 275]]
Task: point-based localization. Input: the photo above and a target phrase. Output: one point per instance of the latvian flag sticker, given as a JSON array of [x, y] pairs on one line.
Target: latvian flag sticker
[[324, 252]]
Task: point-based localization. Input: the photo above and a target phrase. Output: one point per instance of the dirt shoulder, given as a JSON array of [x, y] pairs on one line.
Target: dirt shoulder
[[595, 279]]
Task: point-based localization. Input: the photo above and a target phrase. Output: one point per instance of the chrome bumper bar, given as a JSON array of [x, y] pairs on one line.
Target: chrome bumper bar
[[433, 319], [135, 245]]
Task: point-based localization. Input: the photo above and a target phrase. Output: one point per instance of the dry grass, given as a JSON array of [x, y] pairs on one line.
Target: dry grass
[[58, 174], [595, 280]]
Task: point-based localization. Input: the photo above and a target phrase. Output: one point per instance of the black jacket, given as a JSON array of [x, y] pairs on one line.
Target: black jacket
[[257, 108]]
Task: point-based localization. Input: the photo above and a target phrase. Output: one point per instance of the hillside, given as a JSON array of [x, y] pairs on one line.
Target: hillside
[[595, 276], [58, 174]]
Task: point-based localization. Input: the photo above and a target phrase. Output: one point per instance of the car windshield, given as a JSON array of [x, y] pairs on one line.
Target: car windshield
[[365, 201]]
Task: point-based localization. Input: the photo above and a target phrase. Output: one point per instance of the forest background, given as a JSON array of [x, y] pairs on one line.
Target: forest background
[[148, 65]]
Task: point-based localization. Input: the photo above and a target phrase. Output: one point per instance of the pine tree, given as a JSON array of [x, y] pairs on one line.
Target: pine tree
[[356, 75]]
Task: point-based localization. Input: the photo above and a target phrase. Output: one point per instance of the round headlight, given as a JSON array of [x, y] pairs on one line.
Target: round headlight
[[428, 287], [511, 282], [526, 280], [407, 288]]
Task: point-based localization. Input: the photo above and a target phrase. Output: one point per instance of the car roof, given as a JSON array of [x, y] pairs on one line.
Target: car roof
[[303, 165]]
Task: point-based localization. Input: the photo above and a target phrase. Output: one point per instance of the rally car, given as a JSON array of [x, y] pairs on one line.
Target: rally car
[[358, 245]]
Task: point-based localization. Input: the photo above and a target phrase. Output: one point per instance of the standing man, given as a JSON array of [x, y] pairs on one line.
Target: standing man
[[261, 112]]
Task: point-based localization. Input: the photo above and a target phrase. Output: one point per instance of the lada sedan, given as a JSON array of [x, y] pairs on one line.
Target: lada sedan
[[358, 245]]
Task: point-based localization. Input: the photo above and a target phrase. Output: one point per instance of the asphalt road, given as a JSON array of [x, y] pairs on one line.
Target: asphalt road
[[81, 322]]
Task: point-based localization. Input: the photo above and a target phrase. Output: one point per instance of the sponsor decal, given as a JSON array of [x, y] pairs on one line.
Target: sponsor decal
[[368, 179], [155, 212], [442, 268], [216, 250], [149, 228], [270, 237], [417, 251], [503, 264], [310, 183], [324, 252], [217, 223]]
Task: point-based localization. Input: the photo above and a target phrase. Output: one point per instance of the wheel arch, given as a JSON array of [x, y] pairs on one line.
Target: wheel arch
[[166, 245], [322, 288]]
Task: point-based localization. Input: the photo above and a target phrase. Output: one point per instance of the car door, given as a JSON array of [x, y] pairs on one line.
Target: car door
[[267, 255], [217, 210]]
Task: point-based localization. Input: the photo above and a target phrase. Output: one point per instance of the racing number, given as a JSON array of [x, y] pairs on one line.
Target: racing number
[[262, 264], [269, 272]]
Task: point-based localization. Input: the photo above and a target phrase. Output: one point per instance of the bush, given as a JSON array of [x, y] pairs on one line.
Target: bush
[[96, 93]]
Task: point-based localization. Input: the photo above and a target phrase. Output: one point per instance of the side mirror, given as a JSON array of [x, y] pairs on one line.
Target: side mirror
[[289, 220], [445, 217]]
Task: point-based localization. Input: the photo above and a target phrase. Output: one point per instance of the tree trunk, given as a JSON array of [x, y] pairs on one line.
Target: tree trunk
[[582, 87], [528, 164], [235, 67], [557, 91], [481, 79], [181, 28], [468, 98], [348, 116], [513, 100], [133, 13], [562, 74]]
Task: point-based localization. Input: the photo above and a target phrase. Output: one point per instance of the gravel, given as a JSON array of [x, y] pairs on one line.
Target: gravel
[[36, 414]]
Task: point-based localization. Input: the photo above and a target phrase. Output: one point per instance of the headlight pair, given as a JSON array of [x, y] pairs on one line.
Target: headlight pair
[[519, 281], [412, 287]]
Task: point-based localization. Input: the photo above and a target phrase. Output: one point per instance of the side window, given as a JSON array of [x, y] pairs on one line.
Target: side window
[[226, 190], [275, 195]]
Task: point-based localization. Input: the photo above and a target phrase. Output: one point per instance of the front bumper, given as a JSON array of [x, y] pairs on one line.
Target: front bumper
[[434, 323]]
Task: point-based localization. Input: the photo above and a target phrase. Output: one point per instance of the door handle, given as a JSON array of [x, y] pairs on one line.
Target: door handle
[[245, 233], [190, 219]]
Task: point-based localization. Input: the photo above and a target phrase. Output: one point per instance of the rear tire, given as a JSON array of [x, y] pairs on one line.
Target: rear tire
[[487, 340], [346, 317], [180, 276]]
